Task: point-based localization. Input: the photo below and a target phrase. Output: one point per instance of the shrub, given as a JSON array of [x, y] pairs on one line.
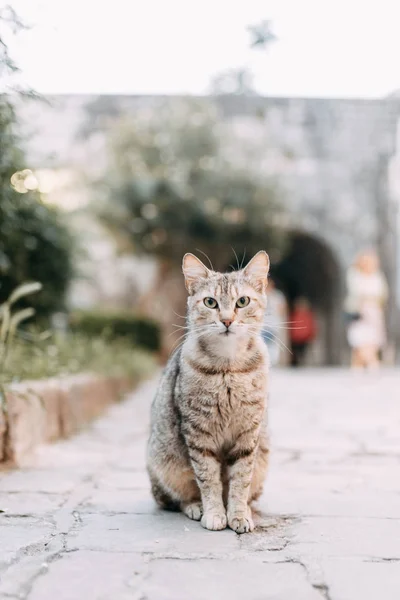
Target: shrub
[[34, 246], [140, 331], [75, 353], [28, 354]]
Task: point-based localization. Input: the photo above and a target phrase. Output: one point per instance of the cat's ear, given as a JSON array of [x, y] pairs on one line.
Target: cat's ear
[[193, 270], [257, 271]]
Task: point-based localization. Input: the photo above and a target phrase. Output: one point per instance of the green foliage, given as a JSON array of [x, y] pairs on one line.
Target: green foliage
[[135, 330], [30, 355], [173, 186], [34, 245], [10, 21], [9, 322], [77, 353], [34, 242], [262, 35], [233, 81]]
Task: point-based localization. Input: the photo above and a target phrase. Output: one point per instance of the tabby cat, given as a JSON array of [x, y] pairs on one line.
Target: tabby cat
[[208, 447]]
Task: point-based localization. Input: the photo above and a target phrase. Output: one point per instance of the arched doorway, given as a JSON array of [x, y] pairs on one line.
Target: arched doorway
[[310, 269]]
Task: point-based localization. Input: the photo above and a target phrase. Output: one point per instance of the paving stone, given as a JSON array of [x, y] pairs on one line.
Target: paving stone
[[329, 526], [227, 580], [134, 458], [29, 503], [17, 534], [363, 580], [332, 504], [91, 576], [124, 480], [369, 538], [50, 481], [119, 501], [166, 533]]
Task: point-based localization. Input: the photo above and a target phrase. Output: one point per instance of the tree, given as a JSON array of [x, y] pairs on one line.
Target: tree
[[262, 35], [34, 242], [239, 81], [173, 186], [233, 81], [9, 20]]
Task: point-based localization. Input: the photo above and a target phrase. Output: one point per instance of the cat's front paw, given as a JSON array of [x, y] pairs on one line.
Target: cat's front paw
[[194, 510], [214, 521], [241, 523]]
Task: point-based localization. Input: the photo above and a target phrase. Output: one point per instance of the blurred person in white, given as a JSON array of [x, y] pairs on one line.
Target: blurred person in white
[[275, 323], [367, 294]]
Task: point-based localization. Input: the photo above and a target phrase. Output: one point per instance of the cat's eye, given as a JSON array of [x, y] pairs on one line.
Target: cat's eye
[[243, 301], [210, 302]]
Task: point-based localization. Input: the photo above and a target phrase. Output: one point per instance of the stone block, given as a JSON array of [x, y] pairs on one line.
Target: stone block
[[171, 579], [169, 534], [43, 411], [26, 424], [91, 576], [83, 398], [2, 434], [48, 393], [359, 578]]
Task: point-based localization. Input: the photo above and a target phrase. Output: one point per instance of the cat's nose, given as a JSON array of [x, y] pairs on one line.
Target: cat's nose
[[227, 322]]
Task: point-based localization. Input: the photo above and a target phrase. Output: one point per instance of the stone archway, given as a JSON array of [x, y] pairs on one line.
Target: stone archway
[[309, 268]]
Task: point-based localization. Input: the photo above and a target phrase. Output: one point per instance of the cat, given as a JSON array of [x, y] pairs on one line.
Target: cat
[[208, 447]]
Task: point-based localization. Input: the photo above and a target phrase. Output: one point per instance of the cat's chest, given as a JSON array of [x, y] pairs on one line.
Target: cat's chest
[[230, 397]]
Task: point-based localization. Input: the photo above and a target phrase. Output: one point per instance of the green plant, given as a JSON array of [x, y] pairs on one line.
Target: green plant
[[34, 242], [34, 245], [75, 353], [137, 330], [182, 178], [9, 322]]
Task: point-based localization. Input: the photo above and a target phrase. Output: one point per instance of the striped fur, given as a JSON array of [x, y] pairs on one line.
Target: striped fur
[[208, 447]]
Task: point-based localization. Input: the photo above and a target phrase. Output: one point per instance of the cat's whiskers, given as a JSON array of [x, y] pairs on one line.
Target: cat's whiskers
[[274, 338], [244, 256], [283, 325], [274, 326], [207, 257], [186, 335], [187, 327], [178, 315]]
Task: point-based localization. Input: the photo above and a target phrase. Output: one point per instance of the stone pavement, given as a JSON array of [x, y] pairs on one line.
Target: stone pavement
[[79, 522]]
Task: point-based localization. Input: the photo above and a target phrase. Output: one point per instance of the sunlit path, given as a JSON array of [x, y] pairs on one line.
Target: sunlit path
[[80, 524]]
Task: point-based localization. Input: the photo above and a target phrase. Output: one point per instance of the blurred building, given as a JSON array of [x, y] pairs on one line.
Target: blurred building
[[337, 160]]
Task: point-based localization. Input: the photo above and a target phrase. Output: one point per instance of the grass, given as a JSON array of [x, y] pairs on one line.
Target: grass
[[36, 358]]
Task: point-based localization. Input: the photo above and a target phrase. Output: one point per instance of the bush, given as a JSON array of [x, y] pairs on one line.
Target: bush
[[34, 246], [140, 331], [30, 354], [75, 353]]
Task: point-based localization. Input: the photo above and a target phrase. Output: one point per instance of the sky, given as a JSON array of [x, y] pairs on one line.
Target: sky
[[325, 48]]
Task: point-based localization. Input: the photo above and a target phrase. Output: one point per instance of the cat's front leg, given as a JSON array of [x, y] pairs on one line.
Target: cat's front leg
[[240, 470], [207, 469]]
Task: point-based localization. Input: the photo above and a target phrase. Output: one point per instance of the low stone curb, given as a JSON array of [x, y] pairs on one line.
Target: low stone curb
[[44, 411]]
